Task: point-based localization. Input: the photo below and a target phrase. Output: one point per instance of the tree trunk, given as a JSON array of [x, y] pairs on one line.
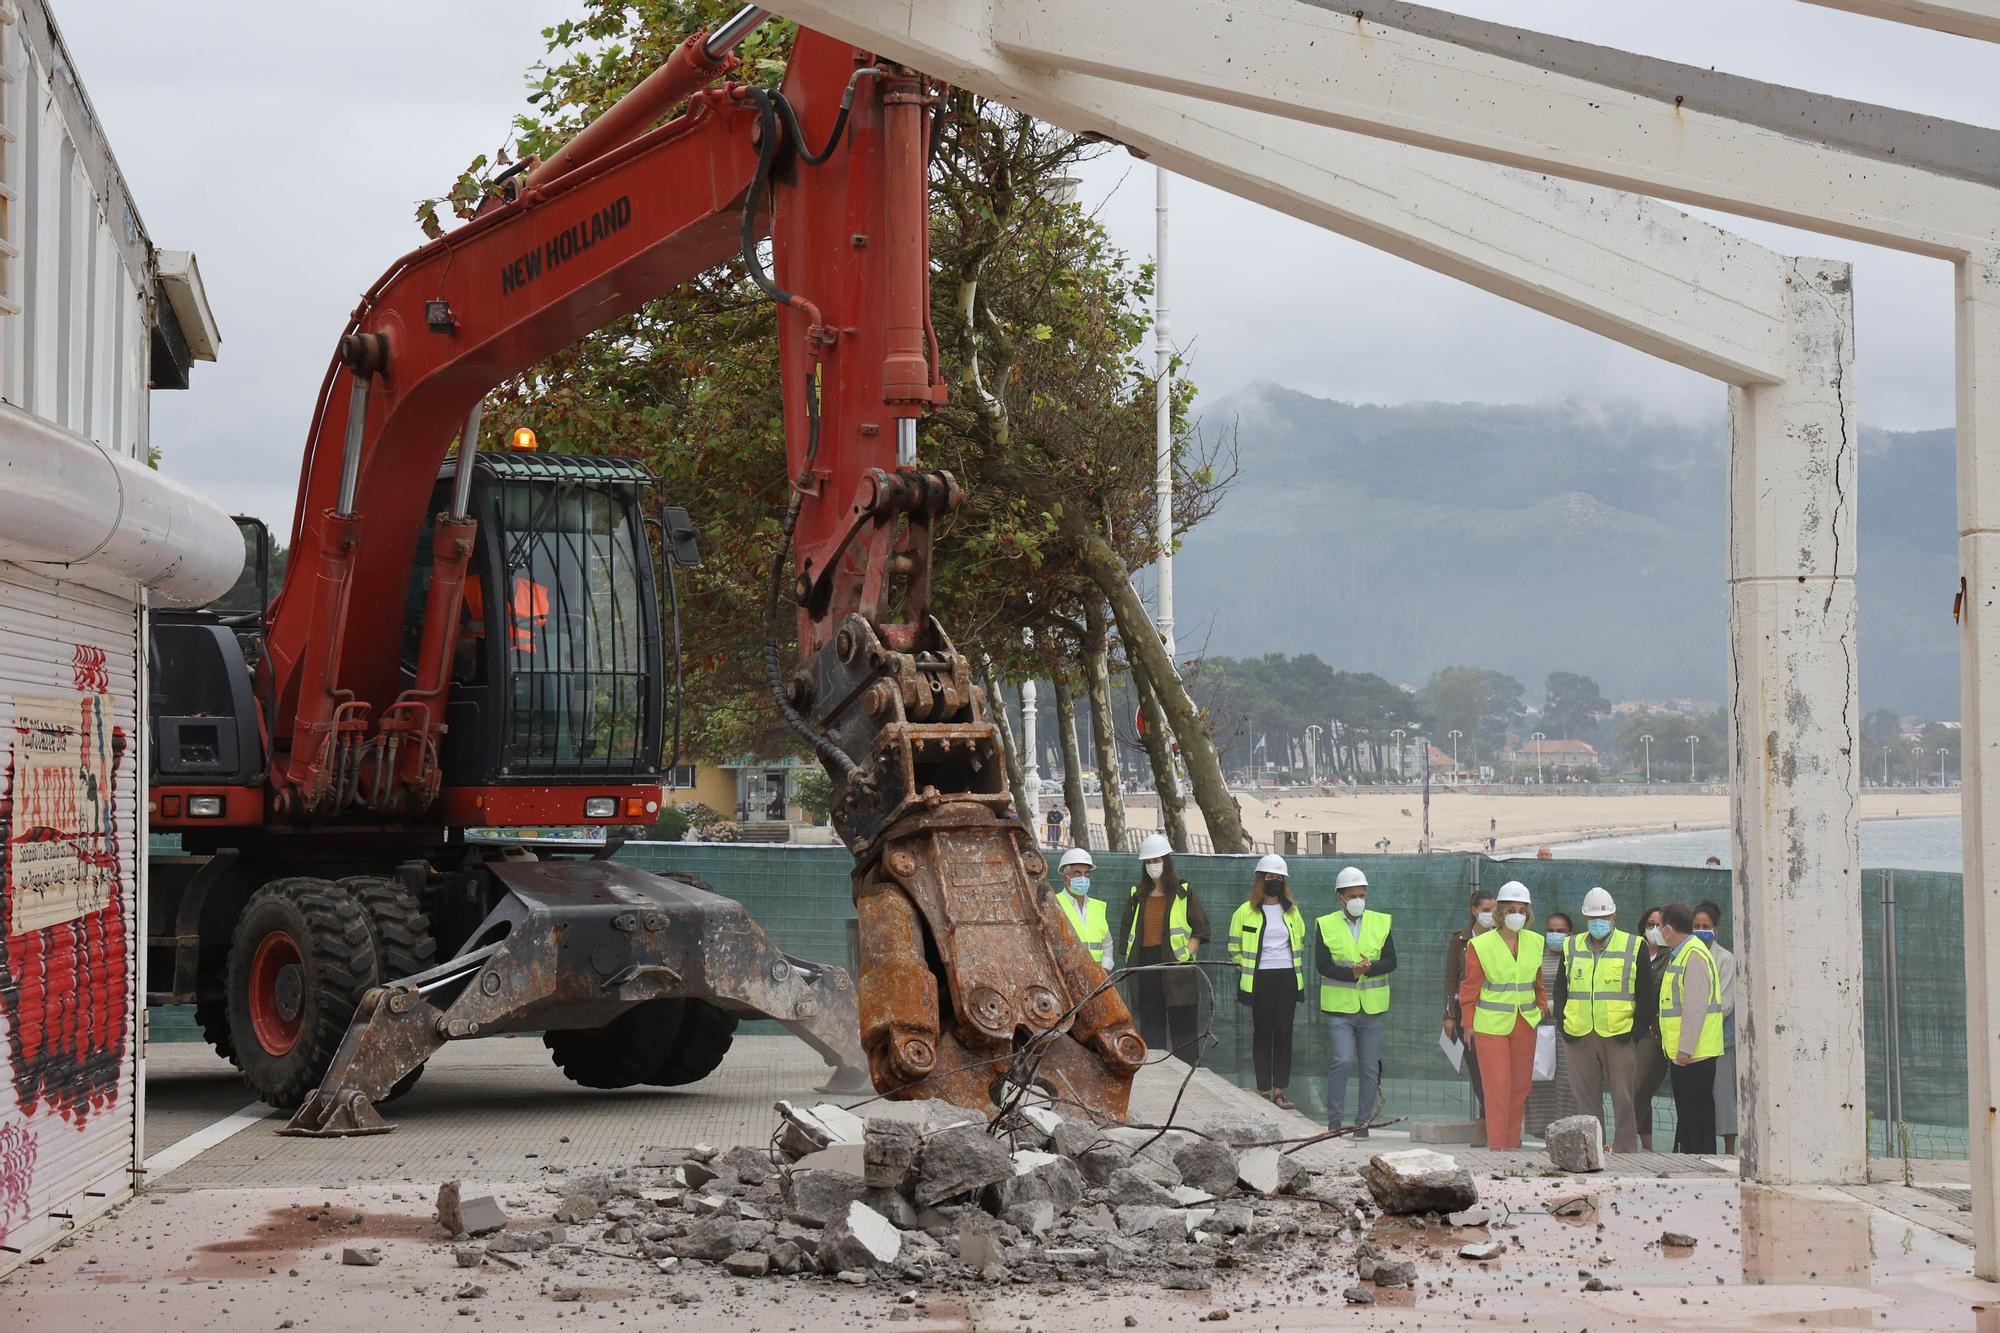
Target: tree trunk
[[1103, 727], [1149, 658], [1158, 739], [996, 704], [1072, 754]]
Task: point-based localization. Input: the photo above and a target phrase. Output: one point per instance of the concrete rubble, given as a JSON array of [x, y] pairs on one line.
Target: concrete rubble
[[1418, 1180], [1576, 1143]]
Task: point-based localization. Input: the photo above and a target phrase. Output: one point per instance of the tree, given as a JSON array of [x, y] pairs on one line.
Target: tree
[[1572, 705], [1483, 704]]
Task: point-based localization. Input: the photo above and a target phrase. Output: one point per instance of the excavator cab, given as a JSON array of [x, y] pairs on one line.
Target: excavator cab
[[560, 639]]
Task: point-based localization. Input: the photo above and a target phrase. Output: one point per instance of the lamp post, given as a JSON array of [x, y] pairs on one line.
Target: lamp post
[[1538, 738], [1885, 765], [1692, 742], [1942, 752], [1313, 732], [1454, 733], [1647, 741], [1397, 732], [1917, 764]]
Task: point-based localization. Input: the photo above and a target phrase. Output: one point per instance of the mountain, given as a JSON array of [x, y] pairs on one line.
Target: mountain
[[1531, 539]]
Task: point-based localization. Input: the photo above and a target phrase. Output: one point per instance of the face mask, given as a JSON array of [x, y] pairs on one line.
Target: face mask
[[1153, 869], [1356, 906], [1655, 938], [1080, 885], [1705, 936], [1274, 888], [1600, 929], [1556, 938], [1514, 920], [1485, 920]]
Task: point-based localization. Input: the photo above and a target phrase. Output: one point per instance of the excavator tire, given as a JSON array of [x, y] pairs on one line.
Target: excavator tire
[[624, 1052], [212, 1017], [301, 958], [403, 941], [703, 1040]]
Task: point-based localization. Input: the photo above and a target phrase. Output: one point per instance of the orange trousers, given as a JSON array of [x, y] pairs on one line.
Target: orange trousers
[[1506, 1067]]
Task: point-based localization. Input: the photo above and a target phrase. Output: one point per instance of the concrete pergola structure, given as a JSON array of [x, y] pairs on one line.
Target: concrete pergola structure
[[1270, 99]]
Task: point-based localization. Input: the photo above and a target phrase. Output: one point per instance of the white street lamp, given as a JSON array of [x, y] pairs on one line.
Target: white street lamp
[[1397, 732], [1454, 733], [1313, 732], [1647, 741], [1538, 738], [1692, 742], [1942, 752]]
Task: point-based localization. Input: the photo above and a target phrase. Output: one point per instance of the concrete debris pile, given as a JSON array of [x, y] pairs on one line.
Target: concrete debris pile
[[925, 1192]]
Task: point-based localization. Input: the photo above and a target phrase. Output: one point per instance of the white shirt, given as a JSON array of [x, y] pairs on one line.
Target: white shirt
[[1277, 944]]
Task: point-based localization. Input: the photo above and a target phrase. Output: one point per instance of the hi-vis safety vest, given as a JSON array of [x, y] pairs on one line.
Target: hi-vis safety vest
[[1180, 941], [527, 610], [1507, 989], [1603, 985], [1363, 995], [1674, 1005], [1246, 943], [1087, 919]]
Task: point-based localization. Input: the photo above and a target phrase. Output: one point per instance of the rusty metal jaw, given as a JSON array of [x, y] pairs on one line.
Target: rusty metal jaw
[[573, 945]]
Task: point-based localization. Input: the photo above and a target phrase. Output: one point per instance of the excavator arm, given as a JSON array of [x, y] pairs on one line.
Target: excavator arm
[[969, 971]]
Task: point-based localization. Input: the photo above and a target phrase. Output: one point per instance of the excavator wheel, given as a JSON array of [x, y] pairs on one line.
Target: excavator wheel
[[212, 1017], [699, 1047], [403, 940], [301, 958]]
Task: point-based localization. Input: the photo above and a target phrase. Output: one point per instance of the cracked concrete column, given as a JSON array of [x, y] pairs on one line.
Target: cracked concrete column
[[1979, 680], [1794, 719]]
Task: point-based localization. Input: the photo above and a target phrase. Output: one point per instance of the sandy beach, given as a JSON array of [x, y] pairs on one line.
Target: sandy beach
[[1463, 821]]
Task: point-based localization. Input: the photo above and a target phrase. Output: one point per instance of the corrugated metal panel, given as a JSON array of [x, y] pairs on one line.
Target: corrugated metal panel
[[75, 353], [69, 895]]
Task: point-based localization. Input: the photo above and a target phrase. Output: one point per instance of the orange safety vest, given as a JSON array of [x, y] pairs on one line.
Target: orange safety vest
[[529, 610]]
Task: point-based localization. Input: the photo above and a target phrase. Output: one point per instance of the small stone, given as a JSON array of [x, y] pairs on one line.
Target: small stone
[[747, 1263], [1419, 1180], [853, 1277], [356, 1257], [471, 1291], [1470, 1217], [1131, 1321], [469, 1256], [860, 1240], [1187, 1279], [1678, 1240], [566, 1294], [576, 1208], [787, 1257], [1358, 1296], [1491, 1249], [1576, 1207], [1576, 1143], [1599, 1284], [1392, 1274]]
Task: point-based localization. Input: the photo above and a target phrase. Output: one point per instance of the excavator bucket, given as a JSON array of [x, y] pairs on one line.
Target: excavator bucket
[[579, 945]]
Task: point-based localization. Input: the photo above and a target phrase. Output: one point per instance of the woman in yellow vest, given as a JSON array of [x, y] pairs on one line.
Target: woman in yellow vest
[[1267, 942], [1690, 1029], [1356, 954], [1503, 993], [1086, 915], [1163, 922]]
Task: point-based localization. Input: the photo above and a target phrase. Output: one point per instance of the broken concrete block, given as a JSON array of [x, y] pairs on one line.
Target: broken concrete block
[[1038, 1178], [815, 1198], [1417, 1180], [1677, 1240], [747, 1263], [477, 1216], [1244, 1130], [708, 1205], [787, 1257], [751, 1166], [1358, 1296], [944, 1115], [1260, 1170], [978, 1247], [860, 1240], [961, 1160], [1071, 1254], [1489, 1249], [1576, 1143], [1127, 1188], [1187, 1195], [1140, 1218], [576, 1208], [1073, 1138], [1046, 1119], [1391, 1274], [716, 1238], [1470, 1217], [1036, 1217], [469, 1256], [356, 1257], [518, 1242], [1099, 1165], [1208, 1165], [847, 1158], [889, 1153], [892, 1205], [698, 1174]]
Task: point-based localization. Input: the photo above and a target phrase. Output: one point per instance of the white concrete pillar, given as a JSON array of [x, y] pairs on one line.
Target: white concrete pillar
[[1979, 681], [1794, 722], [1031, 753]]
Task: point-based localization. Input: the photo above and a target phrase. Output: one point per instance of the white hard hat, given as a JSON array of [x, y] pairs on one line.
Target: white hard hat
[[1154, 847], [1075, 856], [1598, 903], [1272, 864], [1349, 878], [1514, 891]]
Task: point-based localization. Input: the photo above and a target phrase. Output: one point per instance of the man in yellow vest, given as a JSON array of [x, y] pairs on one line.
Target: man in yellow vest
[[1355, 954], [1690, 1029], [1086, 914], [1597, 992]]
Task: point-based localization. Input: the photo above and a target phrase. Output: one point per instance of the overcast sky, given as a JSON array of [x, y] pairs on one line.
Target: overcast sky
[[287, 144]]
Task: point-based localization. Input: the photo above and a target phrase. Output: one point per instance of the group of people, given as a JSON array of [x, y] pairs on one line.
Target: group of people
[[1627, 1012]]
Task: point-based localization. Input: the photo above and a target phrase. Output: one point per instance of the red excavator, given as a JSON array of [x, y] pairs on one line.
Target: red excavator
[[471, 642]]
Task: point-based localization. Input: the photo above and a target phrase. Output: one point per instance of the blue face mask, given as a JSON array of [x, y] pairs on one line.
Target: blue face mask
[[1080, 885], [1600, 929], [1705, 936], [1556, 938]]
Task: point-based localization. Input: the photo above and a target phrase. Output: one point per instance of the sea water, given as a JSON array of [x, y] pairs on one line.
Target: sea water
[[1886, 844]]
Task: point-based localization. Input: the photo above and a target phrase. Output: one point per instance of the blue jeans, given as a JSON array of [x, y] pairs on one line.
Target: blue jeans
[[1357, 1043]]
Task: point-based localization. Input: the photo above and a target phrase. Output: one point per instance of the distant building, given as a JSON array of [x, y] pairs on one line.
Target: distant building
[[1552, 753], [746, 789]]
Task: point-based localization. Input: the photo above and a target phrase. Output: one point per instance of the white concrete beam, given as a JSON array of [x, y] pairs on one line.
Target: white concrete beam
[[1309, 61], [1794, 775], [1979, 731], [1966, 18], [1619, 265]]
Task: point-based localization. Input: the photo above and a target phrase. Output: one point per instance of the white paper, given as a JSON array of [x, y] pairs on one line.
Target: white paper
[[1454, 1049], [1545, 1053]]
